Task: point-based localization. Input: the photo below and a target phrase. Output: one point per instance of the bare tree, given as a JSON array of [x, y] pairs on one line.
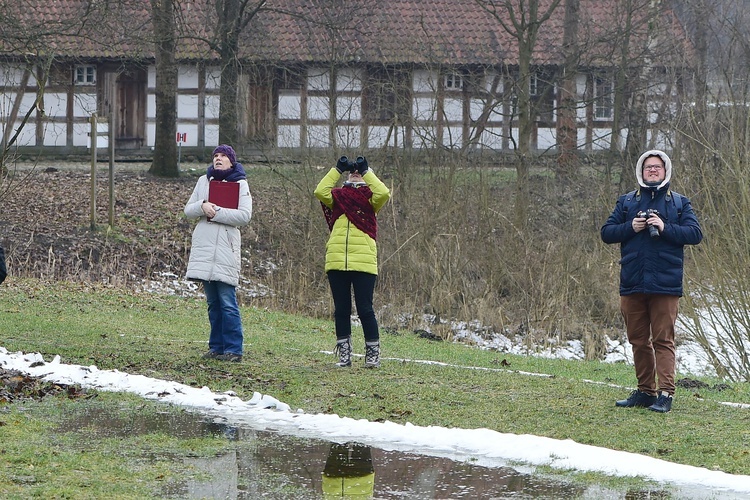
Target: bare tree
[[522, 19], [716, 130], [698, 18], [567, 128], [634, 91], [164, 161], [642, 91], [233, 16], [26, 42]]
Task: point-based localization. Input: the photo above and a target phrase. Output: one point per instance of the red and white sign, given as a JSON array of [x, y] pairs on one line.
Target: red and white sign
[[182, 137]]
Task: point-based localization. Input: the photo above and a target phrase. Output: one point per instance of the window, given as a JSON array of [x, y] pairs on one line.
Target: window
[[84, 75], [382, 103], [542, 95], [603, 99], [453, 81], [534, 85]]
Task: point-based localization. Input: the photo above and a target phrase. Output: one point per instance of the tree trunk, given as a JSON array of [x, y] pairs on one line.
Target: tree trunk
[[228, 115], [164, 162], [694, 123], [638, 122], [524, 136], [567, 131], [526, 28], [230, 14]]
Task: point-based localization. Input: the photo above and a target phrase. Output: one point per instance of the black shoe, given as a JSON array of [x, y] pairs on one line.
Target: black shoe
[[230, 356], [637, 398], [210, 355], [663, 403]]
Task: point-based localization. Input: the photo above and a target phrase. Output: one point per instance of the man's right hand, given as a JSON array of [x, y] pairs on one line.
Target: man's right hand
[[639, 224]]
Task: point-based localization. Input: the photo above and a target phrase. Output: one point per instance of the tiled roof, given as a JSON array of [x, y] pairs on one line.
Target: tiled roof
[[376, 31], [429, 31], [74, 28]]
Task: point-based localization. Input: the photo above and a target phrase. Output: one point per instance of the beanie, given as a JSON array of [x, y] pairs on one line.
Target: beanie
[[227, 150]]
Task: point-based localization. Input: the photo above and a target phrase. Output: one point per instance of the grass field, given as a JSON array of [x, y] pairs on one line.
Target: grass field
[[287, 357]]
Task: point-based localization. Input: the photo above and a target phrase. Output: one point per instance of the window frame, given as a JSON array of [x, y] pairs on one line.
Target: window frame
[[84, 74], [453, 81], [603, 98]]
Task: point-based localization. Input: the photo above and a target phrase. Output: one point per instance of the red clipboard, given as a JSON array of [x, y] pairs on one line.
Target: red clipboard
[[224, 194]]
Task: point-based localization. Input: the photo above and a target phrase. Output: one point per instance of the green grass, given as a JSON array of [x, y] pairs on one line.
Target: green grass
[[163, 337], [49, 451]]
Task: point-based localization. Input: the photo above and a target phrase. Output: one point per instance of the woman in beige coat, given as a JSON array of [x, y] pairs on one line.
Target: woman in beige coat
[[215, 252]]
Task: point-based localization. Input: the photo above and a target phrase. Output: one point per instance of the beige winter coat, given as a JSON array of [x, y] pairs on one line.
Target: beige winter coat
[[215, 250]]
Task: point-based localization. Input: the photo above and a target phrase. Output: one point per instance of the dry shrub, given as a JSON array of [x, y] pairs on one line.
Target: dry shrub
[[449, 247], [717, 298], [450, 250]]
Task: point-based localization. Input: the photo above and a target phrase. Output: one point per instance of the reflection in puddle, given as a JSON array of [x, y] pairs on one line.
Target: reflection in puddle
[[348, 471], [266, 465]]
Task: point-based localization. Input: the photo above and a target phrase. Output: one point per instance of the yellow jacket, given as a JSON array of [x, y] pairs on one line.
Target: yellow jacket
[[348, 487], [348, 248]]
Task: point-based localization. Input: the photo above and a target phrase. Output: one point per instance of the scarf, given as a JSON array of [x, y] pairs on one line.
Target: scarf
[[354, 203], [234, 174]]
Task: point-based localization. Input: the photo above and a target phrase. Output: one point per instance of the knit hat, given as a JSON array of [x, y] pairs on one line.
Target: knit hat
[[227, 150]]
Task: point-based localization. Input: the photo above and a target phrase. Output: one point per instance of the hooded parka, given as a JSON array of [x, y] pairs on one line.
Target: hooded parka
[[652, 265]]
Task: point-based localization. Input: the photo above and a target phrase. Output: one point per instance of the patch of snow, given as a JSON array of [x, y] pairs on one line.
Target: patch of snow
[[481, 446]]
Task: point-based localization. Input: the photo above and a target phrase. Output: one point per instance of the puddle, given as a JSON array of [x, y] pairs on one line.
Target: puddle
[[263, 464], [267, 465]]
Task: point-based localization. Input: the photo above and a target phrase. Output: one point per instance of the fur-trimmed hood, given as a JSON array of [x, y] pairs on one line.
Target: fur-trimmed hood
[[667, 167]]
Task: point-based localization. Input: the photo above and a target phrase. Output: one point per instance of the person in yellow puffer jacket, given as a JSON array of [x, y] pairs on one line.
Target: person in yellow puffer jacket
[[352, 252], [349, 472]]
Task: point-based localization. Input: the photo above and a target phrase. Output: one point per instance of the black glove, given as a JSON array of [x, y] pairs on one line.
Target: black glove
[[343, 165], [361, 165]]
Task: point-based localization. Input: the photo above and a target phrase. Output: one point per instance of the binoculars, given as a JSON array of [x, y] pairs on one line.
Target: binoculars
[[346, 165]]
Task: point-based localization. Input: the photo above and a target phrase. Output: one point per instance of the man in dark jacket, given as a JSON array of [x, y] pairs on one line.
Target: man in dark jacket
[[3, 269], [652, 226]]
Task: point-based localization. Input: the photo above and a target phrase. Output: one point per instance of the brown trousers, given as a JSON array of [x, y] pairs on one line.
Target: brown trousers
[[650, 320]]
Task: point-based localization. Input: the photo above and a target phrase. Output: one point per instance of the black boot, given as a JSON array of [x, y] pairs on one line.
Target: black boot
[[372, 354], [344, 351]]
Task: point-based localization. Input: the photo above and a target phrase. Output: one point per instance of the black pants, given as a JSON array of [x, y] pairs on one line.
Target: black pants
[[342, 283]]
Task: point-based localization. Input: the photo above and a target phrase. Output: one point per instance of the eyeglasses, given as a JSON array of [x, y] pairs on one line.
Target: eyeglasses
[[653, 167]]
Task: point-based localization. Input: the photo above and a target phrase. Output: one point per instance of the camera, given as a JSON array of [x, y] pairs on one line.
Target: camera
[[653, 231]]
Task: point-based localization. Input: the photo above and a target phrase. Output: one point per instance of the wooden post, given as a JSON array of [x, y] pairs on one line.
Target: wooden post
[[94, 136], [111, 135]]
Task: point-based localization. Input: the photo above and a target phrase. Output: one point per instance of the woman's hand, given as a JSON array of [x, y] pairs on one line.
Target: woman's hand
[[209, 209]]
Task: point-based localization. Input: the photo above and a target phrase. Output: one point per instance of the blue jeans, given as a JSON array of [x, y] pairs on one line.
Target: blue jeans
[[342, 283], [224, 317]]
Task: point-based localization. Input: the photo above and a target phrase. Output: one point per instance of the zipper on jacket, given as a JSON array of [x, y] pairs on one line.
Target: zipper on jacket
[[346, 246]]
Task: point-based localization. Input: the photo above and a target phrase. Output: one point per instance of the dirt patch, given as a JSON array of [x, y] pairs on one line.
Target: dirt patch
[[16, 386], [47, 232]]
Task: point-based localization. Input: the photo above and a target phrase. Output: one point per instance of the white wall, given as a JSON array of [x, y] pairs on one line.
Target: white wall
[[348, 113], [290, 106]]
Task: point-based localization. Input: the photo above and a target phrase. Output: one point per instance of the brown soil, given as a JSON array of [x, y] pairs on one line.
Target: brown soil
[[16, 386], [46, 225]]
